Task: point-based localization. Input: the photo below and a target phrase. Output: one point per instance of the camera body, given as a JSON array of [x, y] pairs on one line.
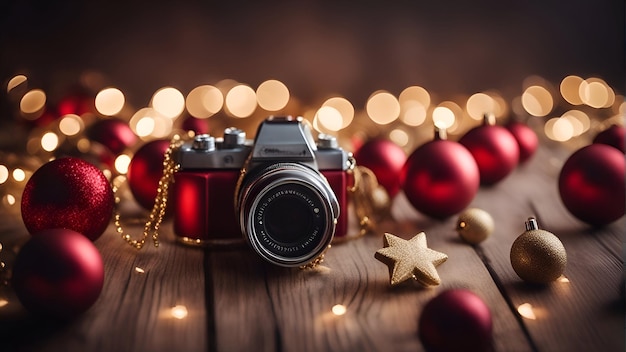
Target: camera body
[[285, 193]]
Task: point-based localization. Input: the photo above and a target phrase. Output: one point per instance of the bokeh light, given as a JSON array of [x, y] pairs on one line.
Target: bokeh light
[[71, 124], [109, 101], [15, 81], [415, 94], [18, 175], [169, 102], [329, 118], [479, 104], [272, 95], [33, 101], [147, 122], [569, 89], [4, 174], [121, 164], [413, 113], [579, 120], [179, 312], [344, 107], [241, 101], [559, 129], [339, 309], [443, 117], [595, 93], [204, 101], [399, 137], [537, 101], [49, 141], [383, 108]]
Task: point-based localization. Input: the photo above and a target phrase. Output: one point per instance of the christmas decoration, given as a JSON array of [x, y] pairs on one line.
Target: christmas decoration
[[591, 184], [410, 259], [145, 171], [474, 225], [113, 133], [199, 126], [494, 148], [385, 159], [440, 178], [526, 138], [613, 136], [538, 256], [58, 273], [456, 320], [68, 193]]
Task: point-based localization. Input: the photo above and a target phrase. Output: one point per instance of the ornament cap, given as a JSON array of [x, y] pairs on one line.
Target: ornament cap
[[440, 133], [489, 119], [531, 224]]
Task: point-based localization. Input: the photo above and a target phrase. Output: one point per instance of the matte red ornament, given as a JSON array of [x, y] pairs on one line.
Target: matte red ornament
[[526, 138], [199, 126], [456, 320], [113, 133], [68, 193], [613, 136], [591, 184], [58, 273], [385, 159], [145, 171], [440, 178], [495, 150]]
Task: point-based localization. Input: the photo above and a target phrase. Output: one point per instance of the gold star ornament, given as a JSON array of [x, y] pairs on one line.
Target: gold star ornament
[[408, 259]]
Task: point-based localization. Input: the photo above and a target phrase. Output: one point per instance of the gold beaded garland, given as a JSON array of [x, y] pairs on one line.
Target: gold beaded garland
[[474, 225], [538, 256]]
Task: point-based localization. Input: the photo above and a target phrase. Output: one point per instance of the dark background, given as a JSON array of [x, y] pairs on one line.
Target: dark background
[[316, 48]]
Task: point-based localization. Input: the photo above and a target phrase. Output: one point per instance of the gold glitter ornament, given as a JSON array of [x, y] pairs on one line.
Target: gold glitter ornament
[[474, 225], [412, 258], [538, 256]]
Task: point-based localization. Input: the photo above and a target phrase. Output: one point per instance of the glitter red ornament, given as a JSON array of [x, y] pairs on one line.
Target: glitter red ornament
[[58, 273], [440, 178], [591, 184], [145, 171], [494, 148], [385, 159], [456, 320], [526, 138], [613, 136], [68, 193], [113, 133]]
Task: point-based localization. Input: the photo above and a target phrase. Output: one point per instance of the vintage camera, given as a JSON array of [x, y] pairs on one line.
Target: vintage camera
[[285, 193]]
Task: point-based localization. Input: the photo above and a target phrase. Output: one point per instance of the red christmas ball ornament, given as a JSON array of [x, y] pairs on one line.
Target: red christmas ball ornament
[[440, 178], [113, 133], [199, 126], [76, 102], [456, 320], [58, 273], [385, 159], [613, 136], [591, 184], [494, 148], [145, 171], [526, 138], [68, 193]]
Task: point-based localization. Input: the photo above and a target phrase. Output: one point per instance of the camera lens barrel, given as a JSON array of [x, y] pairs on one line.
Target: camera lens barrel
[[287, 213]]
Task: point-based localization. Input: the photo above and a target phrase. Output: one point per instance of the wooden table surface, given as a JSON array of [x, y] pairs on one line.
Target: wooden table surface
[[237, 302]]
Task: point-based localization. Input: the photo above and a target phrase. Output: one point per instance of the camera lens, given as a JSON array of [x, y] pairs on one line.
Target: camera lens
[[287, 213]]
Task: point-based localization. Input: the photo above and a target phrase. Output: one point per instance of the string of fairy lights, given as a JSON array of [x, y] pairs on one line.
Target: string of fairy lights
[[406, 118]]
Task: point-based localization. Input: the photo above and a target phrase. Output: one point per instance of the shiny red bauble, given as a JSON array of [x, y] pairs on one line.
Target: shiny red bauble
[[440, 178], [58, 273], [495, 150], [68, 193], [613, 136], [145, 171], [385, 159], [526, 138], [591, 184], [113, 133], [456, 320]]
